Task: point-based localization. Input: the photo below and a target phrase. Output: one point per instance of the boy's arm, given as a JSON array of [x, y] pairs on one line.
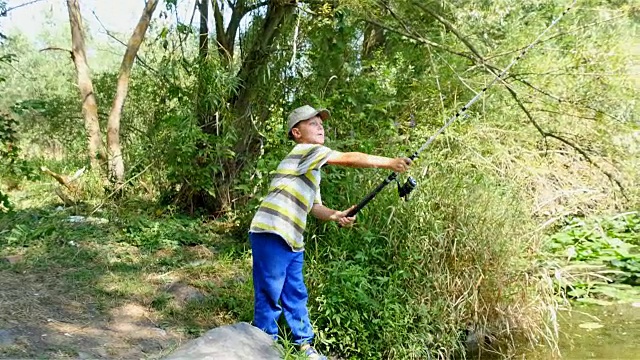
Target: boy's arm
[[362, 160], [325, 214]]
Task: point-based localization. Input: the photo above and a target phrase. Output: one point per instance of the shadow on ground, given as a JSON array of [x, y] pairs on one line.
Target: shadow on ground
[[123, 284]]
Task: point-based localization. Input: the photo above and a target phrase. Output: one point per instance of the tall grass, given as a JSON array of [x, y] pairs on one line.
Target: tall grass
[[413, 279]]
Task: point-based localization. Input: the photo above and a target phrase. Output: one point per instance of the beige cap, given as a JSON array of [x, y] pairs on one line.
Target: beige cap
[[304, 113]]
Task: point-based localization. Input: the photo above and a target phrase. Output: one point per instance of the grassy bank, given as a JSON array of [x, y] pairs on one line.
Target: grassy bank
[[116, 257], [412, 279]]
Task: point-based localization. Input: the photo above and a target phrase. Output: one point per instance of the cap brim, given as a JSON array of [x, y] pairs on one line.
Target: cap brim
[[324, 114]]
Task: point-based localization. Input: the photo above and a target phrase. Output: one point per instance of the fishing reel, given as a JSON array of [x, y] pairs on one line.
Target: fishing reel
[[407, 188]]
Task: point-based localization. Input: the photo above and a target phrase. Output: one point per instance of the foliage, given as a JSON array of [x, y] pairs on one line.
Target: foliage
[[598, 260], [382, 289], [8, 153], [8, 140], [411, 278]]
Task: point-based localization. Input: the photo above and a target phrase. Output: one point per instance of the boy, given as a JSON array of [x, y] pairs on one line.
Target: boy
[[276, 232]]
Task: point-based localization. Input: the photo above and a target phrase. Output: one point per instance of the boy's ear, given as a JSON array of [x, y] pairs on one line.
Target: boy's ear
[[295, 133]]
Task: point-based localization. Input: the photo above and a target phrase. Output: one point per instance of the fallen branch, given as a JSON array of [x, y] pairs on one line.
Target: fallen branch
[[66, 182], [120, 187]]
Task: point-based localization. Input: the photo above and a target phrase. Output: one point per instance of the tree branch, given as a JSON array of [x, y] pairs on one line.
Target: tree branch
[[419, 39], [386, 5], [4, 13], [217, 16], [203, 38], [547, 134], [449, 26], [562, 113], [8, 59], [110, 34], [54, 48], [478, 60], [561, 100], [494, 70], [250, 8], [557, 35]]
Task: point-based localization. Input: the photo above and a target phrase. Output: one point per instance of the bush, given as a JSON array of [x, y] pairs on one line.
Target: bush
[[457, 256]]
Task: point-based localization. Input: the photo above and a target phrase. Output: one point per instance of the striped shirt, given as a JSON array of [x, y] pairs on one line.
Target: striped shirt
[[294, 190]]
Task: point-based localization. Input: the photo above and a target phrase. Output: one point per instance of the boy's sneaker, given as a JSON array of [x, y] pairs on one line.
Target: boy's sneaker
[[311, 353]]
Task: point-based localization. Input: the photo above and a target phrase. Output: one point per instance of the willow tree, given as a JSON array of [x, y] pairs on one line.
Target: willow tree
[[241, 110]]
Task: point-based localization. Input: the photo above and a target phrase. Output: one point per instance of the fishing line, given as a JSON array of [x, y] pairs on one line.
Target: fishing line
[[410, 184]]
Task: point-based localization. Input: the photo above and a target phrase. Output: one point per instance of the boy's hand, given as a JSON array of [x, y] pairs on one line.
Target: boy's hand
[[400, 164], [343, 219]]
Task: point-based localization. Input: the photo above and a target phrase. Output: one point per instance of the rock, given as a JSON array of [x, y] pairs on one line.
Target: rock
[[6, 338], [149, 346], [13, 259], [160, 332], [183, 293], [103, 353], [240, 341], [198, 263], [476, 339], [84, 356]]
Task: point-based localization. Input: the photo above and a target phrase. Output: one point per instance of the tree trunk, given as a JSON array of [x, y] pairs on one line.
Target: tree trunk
[[226, 38], [242, 115], [203, 110], [204, 29], [116, 163], [374, 39], [249, 77], [89, 103]]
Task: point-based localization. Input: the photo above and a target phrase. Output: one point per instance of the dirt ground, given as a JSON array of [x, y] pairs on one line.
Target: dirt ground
[[40, 320]]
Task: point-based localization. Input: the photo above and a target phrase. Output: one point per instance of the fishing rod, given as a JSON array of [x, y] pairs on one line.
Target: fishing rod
[[405, 189]]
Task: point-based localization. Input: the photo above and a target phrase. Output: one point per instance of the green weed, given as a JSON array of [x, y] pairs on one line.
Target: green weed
[[598, 260]]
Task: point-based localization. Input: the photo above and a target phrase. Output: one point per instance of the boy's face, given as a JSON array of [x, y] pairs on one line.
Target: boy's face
[[309, 131]]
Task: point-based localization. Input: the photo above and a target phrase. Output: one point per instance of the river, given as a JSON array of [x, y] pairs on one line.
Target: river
[[601, 332], [596, 332]]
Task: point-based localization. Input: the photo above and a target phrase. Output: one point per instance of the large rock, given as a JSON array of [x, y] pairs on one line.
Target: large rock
[[240, 341]]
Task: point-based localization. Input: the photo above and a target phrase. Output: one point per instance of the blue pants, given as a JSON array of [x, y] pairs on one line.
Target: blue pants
[[277, 276]]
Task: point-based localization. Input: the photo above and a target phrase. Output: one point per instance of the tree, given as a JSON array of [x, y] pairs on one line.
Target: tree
[[374, 37], [3, 12], [204, 29], [85, 85], [242, 109], [116, 163], [89, 104]]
